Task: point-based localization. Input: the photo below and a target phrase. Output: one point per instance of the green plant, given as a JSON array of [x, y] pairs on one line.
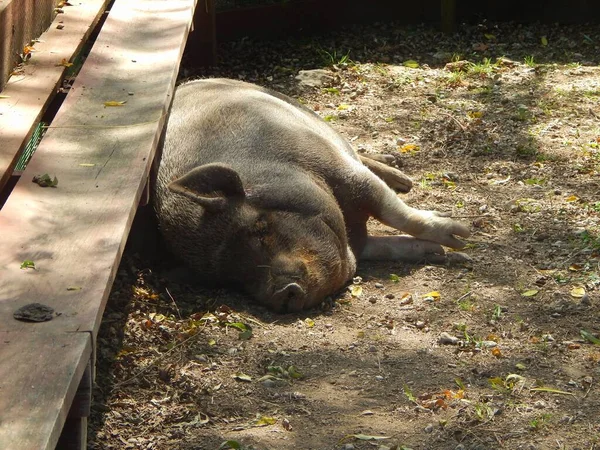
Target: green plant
[[334, 58], [529, 61], [539, 422]]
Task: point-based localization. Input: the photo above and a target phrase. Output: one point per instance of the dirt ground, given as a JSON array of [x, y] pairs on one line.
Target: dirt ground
[[502, 354]]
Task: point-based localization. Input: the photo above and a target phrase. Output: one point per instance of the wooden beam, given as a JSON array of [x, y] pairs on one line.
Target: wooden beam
[[28, 93], [75, 233], [39, 376]]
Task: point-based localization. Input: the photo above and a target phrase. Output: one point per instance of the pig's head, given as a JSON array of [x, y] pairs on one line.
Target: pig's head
[[284, 244]]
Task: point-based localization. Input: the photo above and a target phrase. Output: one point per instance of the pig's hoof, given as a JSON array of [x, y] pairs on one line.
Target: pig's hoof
[[458, 259]]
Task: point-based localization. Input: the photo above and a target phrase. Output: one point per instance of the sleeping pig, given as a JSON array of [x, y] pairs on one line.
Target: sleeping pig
[[255, 191]]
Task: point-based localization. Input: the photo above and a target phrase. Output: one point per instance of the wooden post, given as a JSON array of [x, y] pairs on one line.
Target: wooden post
[[202, 42], [448, 15]]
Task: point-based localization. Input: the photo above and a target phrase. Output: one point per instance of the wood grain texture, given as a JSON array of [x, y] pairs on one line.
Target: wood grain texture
[[75, 233], [39, 375], [28, 94]]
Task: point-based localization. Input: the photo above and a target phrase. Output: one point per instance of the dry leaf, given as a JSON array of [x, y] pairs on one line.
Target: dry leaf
[[577, 292], [114, 103], [572, 198], [530, 293]]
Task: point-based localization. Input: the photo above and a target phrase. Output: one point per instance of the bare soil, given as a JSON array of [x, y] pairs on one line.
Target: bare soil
[[497, 355]]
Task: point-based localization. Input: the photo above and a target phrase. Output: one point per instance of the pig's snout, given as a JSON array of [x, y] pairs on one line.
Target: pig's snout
[[290, 298]]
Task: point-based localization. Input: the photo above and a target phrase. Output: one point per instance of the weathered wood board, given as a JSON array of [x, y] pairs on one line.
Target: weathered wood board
[[27, 94], [75, 233], [39, 375]]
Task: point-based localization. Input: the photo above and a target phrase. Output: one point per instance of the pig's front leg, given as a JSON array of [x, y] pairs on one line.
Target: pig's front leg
[[409, 249], [386, 207]]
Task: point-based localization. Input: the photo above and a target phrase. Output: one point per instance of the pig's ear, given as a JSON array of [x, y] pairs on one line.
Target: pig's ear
[[211, 185]]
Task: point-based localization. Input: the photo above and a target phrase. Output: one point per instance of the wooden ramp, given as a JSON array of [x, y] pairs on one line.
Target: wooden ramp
[[75, 233]]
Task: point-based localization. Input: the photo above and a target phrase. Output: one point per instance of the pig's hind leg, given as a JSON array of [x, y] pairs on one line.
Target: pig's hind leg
[[390, 175]]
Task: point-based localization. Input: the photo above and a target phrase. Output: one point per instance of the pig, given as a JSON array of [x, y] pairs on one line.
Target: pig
[[255, 191]]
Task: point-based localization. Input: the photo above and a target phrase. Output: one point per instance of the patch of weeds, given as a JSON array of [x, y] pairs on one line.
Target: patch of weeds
[[522, 114], [573, 65], [455, 79], [329, 118], [540, 422], [381, 68], [590, 240], [466, 304], [482, 69], [332, 90], [484, 412], [460, 204], [497, 313], [456, 57], [527, 150], [518, 228], [334, 58], [591, 93], [530, 61], [427, 179], [594, 206], [399, 81], [535, 181]]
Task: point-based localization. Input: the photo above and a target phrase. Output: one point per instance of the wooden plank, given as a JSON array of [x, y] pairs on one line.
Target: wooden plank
[[20, 22], [30, 93], [75, 233], [39, 376]]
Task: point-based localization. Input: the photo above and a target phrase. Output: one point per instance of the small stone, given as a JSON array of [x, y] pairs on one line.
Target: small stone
[[489, 344], [547, 338], [419, 324], [314, 77], [390, 296], [372, 299], [379, 285], [429, 428], [447, 339], [348, 447], [268, 383], [379, 378]]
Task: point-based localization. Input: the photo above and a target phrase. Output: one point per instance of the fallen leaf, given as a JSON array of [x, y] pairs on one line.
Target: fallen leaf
[[530, 293], [87, 165], [575, 267], [490, 37], [242, 377], [4, 96], [343, 107], [356, 291], [571, 198], [309, 322], [27, 264], [544, 41], [589, 337], [45, 180], [475, 114], [235, 445], [64, 63], [577, 292], [496, 352], [433, 294], [395, 278], [520, 366], [366, 437], [409, 148], [411, 63], [114, 103], [551, 390], [73, 288], [264, 421]]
